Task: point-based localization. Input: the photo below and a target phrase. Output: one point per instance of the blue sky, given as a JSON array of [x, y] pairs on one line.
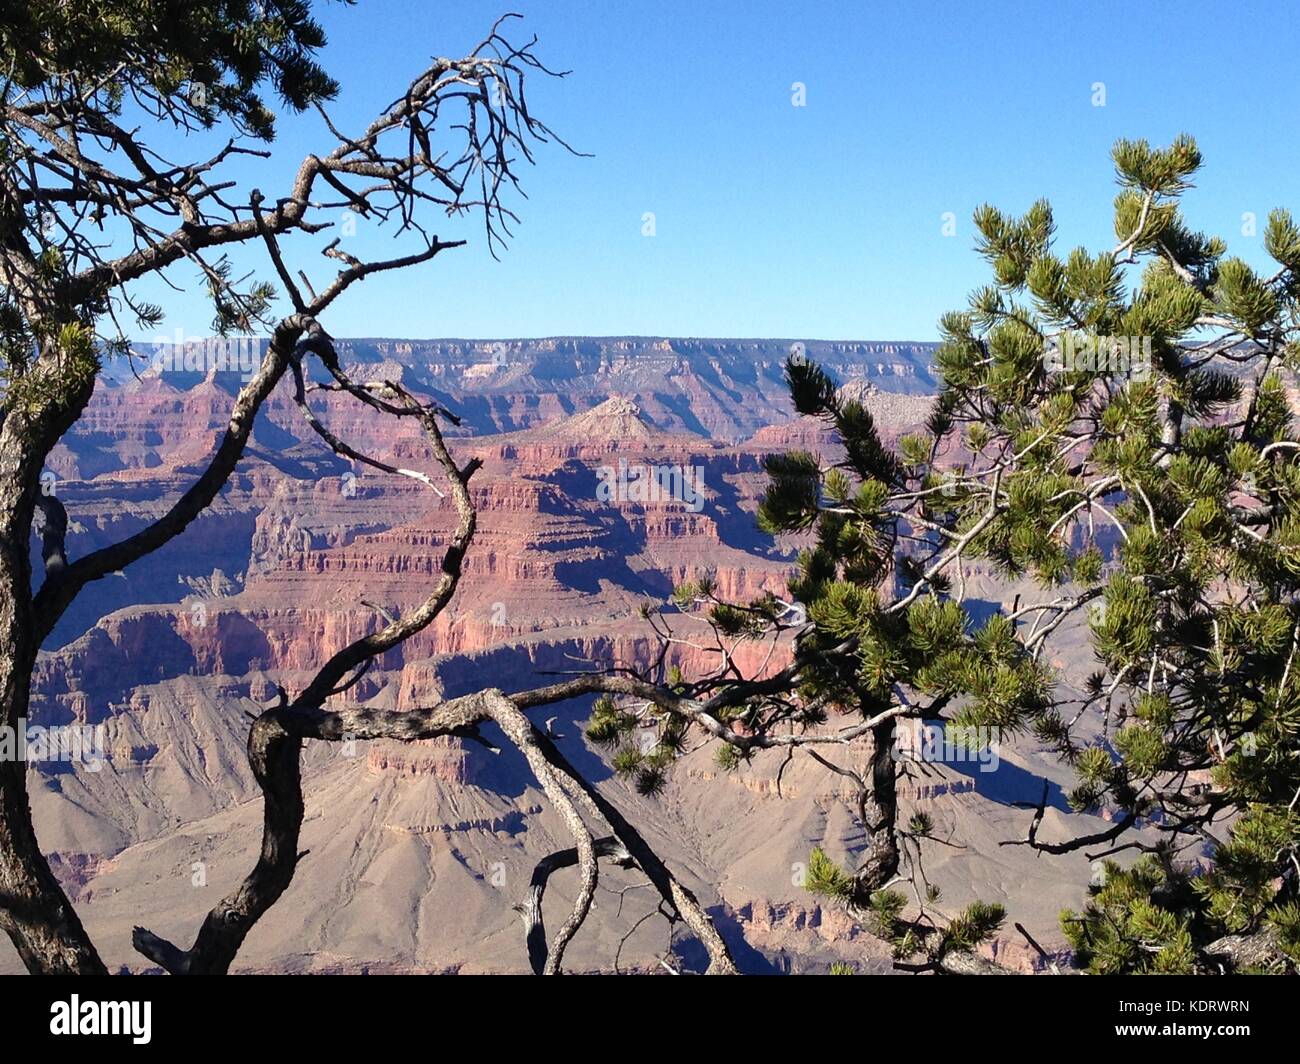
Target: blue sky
[[822, 221]]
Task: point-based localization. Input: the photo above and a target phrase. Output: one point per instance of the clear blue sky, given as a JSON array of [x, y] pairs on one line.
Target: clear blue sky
[[823, 221]]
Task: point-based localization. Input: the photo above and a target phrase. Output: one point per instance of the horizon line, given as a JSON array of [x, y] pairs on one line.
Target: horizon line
[[569, 336]]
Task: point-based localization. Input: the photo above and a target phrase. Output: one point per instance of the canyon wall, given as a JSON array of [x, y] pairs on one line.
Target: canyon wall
[[418, 851]]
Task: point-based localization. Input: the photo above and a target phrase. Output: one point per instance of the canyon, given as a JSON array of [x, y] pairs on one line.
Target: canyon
[[417, 852]]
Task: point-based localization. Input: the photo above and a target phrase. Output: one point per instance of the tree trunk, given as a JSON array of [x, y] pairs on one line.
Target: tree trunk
[[879, 811], [34, 910]]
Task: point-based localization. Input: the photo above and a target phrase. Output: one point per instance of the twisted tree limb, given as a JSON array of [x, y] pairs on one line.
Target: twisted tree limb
[[275, 745], [670, 889], [62, 179], [531, 908], [64, 584]]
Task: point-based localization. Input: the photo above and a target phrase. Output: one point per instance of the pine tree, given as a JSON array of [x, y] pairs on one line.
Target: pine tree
[[1116, 426], [1190, 458]]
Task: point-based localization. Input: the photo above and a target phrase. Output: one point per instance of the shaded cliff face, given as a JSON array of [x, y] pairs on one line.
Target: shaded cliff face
[[612, 471]]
